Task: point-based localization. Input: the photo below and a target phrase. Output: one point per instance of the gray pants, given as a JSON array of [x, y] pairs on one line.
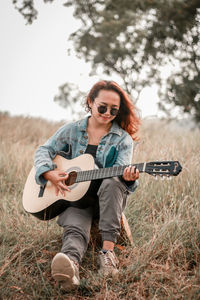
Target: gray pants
[[77, 221]]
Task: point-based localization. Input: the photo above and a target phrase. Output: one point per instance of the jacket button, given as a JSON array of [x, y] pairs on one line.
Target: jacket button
[[85, 136], [81, 151]]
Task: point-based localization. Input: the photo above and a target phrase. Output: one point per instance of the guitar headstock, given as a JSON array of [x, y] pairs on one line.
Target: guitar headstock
[[163, 168]]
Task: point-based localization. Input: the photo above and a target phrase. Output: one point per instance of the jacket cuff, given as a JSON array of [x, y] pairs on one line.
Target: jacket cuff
[[130, 185], [40, 171]]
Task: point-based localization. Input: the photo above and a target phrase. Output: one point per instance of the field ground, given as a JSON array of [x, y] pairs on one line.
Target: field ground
[[164, 216]]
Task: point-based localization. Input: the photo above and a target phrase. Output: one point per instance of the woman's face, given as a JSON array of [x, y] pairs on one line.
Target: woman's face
[[105, 106]]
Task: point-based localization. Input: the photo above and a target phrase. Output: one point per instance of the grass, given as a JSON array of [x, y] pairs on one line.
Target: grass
[[164, 217]]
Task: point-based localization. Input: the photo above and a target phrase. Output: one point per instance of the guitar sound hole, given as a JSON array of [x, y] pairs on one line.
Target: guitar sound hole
[[71, 179]]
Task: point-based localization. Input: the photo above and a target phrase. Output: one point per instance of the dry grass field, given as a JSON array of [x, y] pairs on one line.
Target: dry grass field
[[163, 263]]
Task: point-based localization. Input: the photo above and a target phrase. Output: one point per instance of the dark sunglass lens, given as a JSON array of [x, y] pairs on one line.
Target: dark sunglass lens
[[114, 111], [102, 109]]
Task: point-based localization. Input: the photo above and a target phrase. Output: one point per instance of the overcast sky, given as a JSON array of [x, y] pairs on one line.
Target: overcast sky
[[34, 62]]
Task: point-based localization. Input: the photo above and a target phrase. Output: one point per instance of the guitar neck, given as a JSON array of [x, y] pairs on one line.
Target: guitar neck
[[106, 172]]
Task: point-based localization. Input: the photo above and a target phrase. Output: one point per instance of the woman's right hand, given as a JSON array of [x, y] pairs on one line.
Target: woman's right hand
[[57, 178]]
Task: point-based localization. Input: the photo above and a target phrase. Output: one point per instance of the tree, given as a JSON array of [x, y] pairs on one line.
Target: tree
[[69, 97], [137, 39], [27, 9]]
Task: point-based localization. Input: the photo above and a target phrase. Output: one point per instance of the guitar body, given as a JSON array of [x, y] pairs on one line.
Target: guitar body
[[45, 205], [49, 205]]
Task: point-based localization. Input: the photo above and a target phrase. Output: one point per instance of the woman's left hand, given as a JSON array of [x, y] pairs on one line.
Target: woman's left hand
[[130, 173]]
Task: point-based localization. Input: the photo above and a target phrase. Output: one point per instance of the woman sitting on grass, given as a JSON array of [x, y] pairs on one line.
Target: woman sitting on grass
[[108, 135]]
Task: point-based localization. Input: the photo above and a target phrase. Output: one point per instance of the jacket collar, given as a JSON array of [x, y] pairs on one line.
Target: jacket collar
[[115, 128]]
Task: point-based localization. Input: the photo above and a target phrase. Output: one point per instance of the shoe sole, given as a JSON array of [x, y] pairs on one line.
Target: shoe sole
[[62, 271]]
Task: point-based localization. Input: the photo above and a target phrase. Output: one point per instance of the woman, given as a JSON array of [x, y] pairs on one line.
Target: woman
[[108, 135]]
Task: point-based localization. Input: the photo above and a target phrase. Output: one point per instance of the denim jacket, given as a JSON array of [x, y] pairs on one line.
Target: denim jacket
[[115, 148]]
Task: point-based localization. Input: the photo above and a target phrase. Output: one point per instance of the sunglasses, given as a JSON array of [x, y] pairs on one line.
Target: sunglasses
[[102, 109]]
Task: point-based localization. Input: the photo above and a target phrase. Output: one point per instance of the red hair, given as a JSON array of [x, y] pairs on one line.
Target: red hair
[[127, 118]]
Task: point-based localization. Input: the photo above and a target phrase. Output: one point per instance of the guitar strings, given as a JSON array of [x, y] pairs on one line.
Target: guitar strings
[[104, 173]]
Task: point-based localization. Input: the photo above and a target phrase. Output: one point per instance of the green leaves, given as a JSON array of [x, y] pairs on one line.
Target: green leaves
[[137, 40]]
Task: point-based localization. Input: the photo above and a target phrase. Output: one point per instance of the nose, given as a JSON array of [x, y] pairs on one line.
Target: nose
[[107, 113]]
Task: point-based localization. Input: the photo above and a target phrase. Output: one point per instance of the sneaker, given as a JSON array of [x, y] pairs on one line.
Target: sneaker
[[108, 263], [65, 271]]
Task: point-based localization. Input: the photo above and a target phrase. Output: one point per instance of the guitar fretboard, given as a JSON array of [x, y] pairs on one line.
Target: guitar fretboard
[[105, 172]]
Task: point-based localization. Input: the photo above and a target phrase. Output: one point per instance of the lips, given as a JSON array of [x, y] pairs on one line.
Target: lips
[[105, 118]]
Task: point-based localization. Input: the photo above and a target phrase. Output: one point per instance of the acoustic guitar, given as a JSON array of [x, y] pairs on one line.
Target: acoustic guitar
[[43, 203]]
